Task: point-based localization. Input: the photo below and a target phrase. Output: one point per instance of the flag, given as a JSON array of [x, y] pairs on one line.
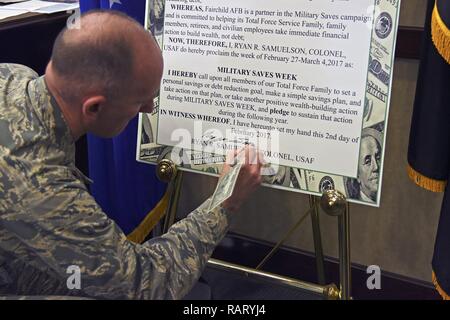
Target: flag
[[86, 5], [125, 189], [133, 8], [429, 144]]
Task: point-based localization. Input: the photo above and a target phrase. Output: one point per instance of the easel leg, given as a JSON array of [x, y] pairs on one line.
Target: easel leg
[[335, 204], [344, 254], [317, 240]]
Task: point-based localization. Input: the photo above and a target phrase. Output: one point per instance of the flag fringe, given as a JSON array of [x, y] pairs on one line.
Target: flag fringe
[[425, 182], [441, 291], [151, 220], [440, 35]]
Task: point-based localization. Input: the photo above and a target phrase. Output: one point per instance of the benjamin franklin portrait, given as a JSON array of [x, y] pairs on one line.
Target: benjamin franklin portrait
[[365, 186]]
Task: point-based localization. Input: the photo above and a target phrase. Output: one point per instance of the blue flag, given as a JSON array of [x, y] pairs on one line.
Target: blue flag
[[133, 8], [86, 5], [125, 189]]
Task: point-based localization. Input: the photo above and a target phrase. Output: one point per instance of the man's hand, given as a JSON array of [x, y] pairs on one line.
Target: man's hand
[[249, 177]]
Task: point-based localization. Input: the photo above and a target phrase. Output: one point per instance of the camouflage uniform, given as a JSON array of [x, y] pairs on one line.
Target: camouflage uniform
[[49, 221]]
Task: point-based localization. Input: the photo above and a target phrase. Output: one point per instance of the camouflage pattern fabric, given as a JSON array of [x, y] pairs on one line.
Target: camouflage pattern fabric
[[49, 221]]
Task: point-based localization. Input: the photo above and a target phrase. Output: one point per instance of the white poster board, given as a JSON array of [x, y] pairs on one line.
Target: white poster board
[[308, 82]]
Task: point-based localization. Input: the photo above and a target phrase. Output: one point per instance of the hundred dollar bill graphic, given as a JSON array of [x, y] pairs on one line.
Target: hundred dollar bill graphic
[[149, 150], [380, 61], [283, 177], [204, 162], [384, 21], [151, 153], [321, 182], [298, 179]]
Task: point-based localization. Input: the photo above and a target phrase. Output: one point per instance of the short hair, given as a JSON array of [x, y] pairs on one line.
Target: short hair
[[100, 60]]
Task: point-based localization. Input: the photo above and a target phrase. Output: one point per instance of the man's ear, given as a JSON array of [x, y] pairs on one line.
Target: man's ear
[[92, 107]]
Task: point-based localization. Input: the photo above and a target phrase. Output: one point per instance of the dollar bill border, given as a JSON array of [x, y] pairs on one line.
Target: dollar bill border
[[377, 99]]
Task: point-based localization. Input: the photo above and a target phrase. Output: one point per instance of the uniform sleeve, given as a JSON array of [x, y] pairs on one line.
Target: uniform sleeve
[[16, 71], [13, 83], [58, 225]]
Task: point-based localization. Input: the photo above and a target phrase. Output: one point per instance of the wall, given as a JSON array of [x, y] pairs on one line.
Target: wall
[[398, 236]]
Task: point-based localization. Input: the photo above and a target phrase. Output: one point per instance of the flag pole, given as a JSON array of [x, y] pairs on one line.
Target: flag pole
[[317, 237]]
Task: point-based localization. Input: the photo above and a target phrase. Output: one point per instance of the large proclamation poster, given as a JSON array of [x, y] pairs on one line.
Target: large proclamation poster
[[306, 81]]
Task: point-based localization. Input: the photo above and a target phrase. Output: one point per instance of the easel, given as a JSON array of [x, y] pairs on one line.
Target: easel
[[332, 202]]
